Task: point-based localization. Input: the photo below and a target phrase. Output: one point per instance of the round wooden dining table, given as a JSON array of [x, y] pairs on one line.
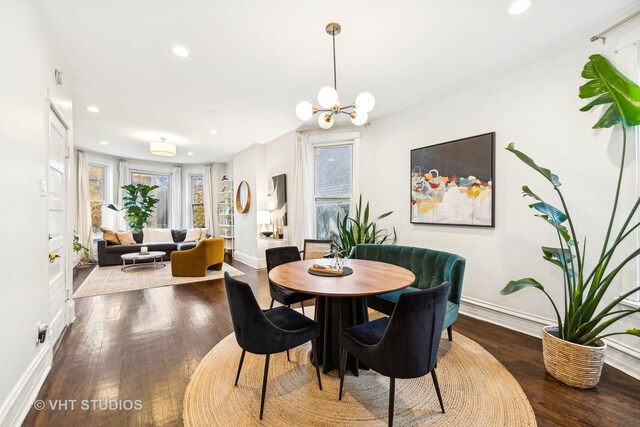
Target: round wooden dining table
[[340, 300]]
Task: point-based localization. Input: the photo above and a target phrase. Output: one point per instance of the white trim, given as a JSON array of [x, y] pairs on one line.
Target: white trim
[[619, 355], [17, 405], [257, 263]]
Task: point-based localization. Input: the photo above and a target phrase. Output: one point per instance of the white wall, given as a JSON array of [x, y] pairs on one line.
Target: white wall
[[29, 60], [536, 107]]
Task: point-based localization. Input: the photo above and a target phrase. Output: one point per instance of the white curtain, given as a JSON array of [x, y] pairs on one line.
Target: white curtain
[[84, 204], [210, 197], [124, 178], [302, 226], [176, 199]]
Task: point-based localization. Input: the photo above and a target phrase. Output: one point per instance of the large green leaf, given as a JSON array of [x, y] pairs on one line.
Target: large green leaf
[[516, 285], [611, 87], [551, 177]]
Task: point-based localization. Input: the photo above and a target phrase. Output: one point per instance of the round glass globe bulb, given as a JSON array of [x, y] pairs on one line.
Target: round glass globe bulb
[[304, 110], [360, 118], [325, 121], [327, 97], [365, 102]]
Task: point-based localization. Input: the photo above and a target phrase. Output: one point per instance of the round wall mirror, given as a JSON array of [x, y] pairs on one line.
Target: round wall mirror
[[243, 197]]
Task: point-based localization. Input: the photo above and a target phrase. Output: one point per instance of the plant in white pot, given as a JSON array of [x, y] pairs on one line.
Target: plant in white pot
[[573, 349]]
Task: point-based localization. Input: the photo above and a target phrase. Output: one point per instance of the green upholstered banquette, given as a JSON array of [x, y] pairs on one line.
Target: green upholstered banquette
[[430, 267]]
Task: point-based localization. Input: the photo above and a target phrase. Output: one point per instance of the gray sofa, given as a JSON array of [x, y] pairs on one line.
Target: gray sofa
[[110, 254]]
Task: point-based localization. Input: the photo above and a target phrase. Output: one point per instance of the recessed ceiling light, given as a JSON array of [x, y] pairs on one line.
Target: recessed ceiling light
[[213, 132], [519, 6], [189, 153], [104, 143], [180, 51], [93, 109]]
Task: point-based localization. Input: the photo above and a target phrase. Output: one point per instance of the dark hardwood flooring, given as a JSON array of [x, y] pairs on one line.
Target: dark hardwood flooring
[[144, 345]]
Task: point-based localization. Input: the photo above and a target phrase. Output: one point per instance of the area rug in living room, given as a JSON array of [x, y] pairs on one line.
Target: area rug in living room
[[110, 280], [477, 391]]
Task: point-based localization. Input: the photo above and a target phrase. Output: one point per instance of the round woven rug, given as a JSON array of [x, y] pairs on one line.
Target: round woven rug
[[477, 391]]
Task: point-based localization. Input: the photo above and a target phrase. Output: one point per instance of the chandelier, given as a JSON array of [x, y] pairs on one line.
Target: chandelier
[[328, 98]]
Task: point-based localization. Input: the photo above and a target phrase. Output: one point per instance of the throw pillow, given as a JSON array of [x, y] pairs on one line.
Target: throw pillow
[[203, 234], [156, 235], [110, 235], [193, 234], [126, 238]]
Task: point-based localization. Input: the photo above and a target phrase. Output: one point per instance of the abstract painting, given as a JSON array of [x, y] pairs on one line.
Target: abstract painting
[[277, 200], [452, 183]]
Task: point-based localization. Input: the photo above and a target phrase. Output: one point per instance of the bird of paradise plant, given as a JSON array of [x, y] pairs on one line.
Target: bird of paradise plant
[[585, 320]]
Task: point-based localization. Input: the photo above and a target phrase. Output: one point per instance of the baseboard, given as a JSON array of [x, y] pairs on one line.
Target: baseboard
[[619, 355], [16, 407], [251, 261]]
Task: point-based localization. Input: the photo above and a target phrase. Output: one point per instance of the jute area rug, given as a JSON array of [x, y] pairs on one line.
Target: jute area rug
[[477, 391], [110, 280]]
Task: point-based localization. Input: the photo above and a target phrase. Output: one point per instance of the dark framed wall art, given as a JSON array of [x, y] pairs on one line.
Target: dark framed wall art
[[452, 183]]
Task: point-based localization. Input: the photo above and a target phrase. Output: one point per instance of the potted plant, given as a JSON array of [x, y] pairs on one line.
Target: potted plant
[[139, 204], [353, 231], [573, 350], [79, 247]]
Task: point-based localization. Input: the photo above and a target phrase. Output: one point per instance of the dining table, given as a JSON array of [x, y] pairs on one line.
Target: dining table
[[341, 301]]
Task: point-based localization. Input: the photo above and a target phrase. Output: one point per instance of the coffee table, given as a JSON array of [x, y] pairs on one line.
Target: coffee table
[[340, 301], [139, 256]]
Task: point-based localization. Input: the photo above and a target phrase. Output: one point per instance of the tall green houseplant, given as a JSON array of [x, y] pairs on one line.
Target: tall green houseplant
[[355, 230], [585, 315], [139, 204]]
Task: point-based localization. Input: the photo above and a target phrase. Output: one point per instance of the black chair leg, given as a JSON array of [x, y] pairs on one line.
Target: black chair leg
[[450, 332], [392, 394], [264, 384], [302, 305], [288, 358], [314, 353], [240, 367], [435, 383], [343, 366], [271, 306]]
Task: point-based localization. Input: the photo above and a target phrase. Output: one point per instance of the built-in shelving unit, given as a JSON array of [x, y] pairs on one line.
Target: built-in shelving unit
[[225, 214]]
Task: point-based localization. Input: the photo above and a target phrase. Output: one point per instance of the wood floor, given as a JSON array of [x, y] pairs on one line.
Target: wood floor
[[144, 345]]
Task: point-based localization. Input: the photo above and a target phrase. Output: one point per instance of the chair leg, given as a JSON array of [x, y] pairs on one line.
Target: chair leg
[[435, 383], [288, 358], [264, 384], [450, 332], [314, 353], [343, 366], [240, 367], [392, 395], [302, 305]]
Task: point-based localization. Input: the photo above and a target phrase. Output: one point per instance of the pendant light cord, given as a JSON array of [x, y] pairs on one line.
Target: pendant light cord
[[333, 36]]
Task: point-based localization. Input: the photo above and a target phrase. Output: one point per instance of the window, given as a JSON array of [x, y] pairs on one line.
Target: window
[[97, 195], [197, 201], [160, 218], [333, 177]]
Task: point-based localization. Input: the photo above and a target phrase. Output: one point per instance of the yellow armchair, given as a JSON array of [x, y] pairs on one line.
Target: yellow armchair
[[195, 262]]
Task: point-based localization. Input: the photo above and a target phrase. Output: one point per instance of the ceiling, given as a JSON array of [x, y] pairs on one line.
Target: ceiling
[[251, 61]]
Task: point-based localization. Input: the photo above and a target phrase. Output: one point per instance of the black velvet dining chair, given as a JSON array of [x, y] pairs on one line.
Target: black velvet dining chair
[[402, 346], [267, 331], [276, 257]]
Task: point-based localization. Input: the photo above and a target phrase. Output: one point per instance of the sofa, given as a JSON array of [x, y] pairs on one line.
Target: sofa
[[430, 267], [110, 253], [195, 262]]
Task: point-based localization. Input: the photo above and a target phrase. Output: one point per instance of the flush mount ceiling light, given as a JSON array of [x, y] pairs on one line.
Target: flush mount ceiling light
[[519, 6], [162, 148], [93, 109], [104, 143], [328, 98], [180, 51], [213, 132], [190, 153]]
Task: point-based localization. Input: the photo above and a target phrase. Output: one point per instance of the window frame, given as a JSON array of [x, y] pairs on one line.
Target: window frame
[[334, 140], [156, 172], [107, 194], [191, 203]]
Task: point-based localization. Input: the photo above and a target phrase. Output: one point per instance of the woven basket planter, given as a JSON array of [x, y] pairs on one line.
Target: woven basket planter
[[573, 364]]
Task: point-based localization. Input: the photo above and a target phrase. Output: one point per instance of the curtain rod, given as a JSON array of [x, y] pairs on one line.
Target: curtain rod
[[614, 26]]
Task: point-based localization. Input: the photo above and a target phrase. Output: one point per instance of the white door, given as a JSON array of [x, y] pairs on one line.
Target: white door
[[56, 221]]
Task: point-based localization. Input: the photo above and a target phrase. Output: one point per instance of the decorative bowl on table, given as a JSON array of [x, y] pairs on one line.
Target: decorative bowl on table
[[266, 233]]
